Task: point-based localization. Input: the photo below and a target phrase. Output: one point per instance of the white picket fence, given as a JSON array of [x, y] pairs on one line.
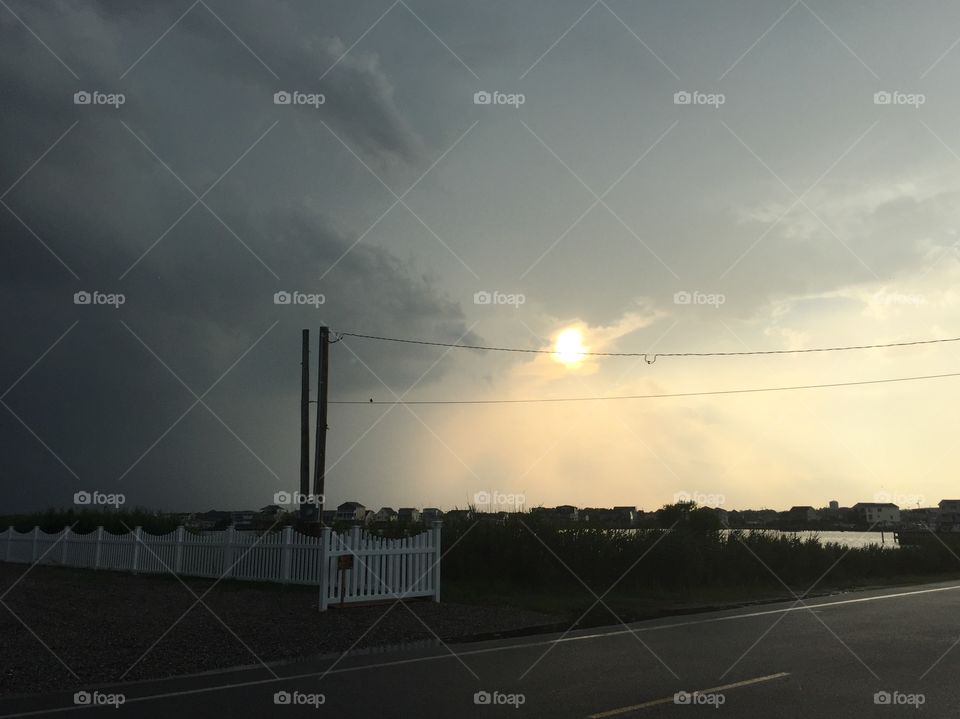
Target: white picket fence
[[381, 568]]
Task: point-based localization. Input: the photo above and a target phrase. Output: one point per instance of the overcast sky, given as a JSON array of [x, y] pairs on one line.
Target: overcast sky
[[805, 196]]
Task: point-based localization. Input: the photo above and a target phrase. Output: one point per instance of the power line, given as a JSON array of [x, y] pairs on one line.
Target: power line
[[652, 396], [648, 355]]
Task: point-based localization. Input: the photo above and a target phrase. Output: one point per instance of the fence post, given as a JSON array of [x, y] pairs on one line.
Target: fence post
[[36, 536], [136, 548], [324, 574], [286, 554], [228, 554], [436, 566], [66, 543], [96, 556], [178, 554]]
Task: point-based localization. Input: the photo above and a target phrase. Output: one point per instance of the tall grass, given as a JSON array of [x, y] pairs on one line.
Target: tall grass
[[527, 556]]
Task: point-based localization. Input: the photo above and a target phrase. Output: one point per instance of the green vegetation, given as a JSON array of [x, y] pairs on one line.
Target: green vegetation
[[86, 520], [543, 566]]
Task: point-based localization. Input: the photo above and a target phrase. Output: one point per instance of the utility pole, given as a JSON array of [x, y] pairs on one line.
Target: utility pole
[[305, 427], [320, 459]]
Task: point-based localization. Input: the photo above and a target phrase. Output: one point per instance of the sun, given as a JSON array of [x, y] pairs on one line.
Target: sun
[[569, 348]]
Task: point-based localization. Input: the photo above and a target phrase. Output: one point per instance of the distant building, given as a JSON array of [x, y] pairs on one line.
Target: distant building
[[949, 519], [386, 515], [802, 513], [458, 515], [351, 512], [408, 515], [566, 512], [879, 514], [431, 514], [626, 514], [834, 505]]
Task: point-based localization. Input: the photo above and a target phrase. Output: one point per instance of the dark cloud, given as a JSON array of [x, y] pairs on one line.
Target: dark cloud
[[199, 298]]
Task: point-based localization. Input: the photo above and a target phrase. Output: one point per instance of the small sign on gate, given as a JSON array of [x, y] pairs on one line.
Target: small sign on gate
[[345, 561]]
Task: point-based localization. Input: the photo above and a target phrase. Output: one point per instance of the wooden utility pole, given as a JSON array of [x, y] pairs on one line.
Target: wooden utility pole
[[320, 459], [305, 426]]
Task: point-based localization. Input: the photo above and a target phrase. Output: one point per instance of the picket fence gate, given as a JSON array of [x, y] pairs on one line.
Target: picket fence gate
[[348, 568]]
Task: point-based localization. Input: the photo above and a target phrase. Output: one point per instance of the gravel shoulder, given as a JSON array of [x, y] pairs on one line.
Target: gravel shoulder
[[66, 628]]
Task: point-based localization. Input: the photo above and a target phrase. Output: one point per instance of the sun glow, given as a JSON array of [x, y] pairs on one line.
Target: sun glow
[[569, 348]]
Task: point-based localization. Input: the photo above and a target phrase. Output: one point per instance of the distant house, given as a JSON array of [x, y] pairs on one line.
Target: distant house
[[626, 514], [329, 516], [351, 512], [213, 520], [386, 515], [566, 512], [879, 514], [925, 517], [949, 519], [431, 514], [369, 517], [458, 515], [408, 515], [802, 513]]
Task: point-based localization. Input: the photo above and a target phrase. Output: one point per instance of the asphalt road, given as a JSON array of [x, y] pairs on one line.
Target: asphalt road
[[828, 658]]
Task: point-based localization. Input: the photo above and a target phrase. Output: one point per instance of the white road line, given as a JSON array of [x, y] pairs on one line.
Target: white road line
[[670, 700], [473, 652]]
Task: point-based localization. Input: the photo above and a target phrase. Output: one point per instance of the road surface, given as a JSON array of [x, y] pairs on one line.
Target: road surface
[[882, 653]]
